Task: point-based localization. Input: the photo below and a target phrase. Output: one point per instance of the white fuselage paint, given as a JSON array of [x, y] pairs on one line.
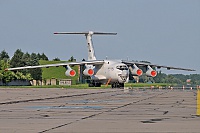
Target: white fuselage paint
[[107, 71], [110, 70], [91, 54]]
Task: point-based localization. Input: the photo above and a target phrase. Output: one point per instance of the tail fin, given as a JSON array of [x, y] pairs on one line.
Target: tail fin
[[91, 53]]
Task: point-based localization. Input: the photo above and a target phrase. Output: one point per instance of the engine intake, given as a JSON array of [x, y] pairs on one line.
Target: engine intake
[[150, 72], [88, 72], [70, 72], [136, 71]]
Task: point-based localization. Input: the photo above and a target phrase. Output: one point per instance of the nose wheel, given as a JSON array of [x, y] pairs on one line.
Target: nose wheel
[[117, 85]]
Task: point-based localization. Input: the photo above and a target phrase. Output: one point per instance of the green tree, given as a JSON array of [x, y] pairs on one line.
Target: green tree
[[21, 76], [43, 57], [5, 76], [4, 55], [171, 79], [72, 59], [56, 59], [39, 56], [160, 78], [16, 60], [26, 59], [36, 73], [181, 77]]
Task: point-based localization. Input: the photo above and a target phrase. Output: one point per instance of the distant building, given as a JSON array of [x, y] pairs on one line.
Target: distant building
[[188, 80]]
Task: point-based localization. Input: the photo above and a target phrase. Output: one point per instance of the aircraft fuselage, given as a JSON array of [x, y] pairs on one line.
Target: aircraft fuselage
[[112, 70]]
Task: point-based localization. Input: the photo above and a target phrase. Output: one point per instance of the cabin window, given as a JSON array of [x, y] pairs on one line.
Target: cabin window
[[122, 67]]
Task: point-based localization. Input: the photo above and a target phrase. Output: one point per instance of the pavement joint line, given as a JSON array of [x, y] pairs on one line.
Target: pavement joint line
[[49, 98], [93, 115]]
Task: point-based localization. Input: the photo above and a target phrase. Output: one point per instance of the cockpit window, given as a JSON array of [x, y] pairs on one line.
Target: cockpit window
[[122, 67]]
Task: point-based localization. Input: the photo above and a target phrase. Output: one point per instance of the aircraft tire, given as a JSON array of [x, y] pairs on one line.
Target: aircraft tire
[[114, 85], [117, 85], [97, 84], [121, 85], [91, 85], [94, 84]]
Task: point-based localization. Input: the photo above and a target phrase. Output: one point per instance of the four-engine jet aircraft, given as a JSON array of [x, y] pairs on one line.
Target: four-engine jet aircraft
[[114, 72]]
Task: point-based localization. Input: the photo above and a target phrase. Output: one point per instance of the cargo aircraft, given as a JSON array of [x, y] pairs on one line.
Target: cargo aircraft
[[114, 72]]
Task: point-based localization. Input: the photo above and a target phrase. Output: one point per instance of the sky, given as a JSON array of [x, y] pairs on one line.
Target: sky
[[164, 32]]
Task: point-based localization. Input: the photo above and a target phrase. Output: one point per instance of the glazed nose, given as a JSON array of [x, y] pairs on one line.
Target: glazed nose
[[124, 73]]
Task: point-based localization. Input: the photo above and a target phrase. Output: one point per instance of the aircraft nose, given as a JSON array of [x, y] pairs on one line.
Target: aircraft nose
[[124, 75]]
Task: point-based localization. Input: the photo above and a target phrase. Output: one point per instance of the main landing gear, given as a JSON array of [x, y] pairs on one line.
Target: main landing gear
[[98, 84], [117, 85], [94, 84]]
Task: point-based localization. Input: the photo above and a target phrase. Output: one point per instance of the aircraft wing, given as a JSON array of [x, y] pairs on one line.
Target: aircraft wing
[[94, 62], [154, 65]]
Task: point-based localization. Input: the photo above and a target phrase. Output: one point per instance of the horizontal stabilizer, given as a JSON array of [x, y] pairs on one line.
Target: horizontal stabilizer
[[88, 32]]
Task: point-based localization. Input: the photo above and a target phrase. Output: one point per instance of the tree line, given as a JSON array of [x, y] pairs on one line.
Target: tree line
[[178, 78], [21, 59]]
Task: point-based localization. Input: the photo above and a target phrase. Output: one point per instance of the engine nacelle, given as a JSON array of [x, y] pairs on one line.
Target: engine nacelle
[[88, 72], [136, 71], [70, 72], [150, 72]]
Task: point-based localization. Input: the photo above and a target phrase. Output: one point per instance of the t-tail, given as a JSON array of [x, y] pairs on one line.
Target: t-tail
[[91, 53]]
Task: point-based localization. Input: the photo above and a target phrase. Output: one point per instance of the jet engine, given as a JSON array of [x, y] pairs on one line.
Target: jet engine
[[136, 71], [70, 72], [150, 72], [88, 72]]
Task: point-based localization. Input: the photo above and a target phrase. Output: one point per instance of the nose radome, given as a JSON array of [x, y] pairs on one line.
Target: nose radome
[[124, 73]]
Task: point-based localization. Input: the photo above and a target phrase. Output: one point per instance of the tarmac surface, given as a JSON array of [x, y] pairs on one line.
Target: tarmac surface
[[97, 110]]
